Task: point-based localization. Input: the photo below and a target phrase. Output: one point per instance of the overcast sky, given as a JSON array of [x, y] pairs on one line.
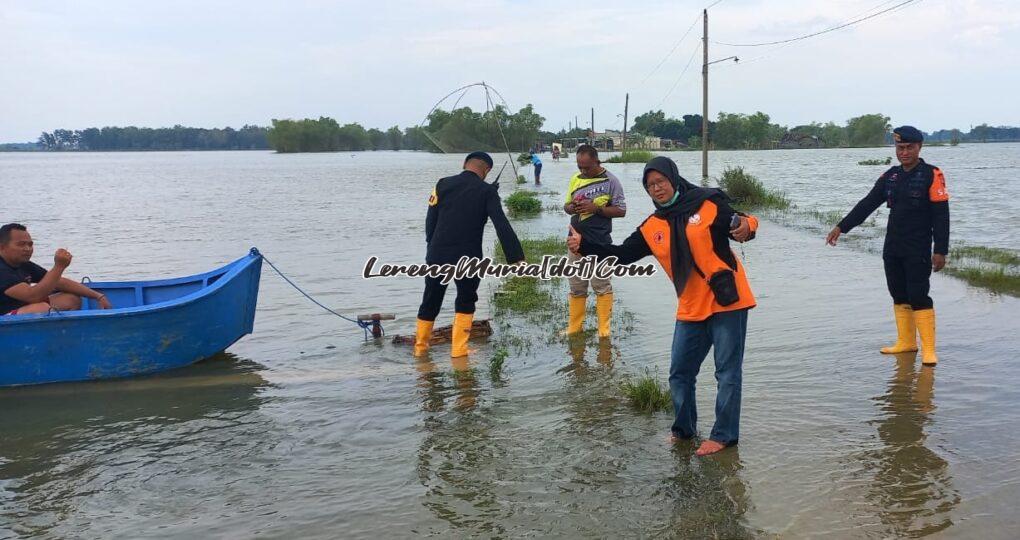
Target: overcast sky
[[76, 64]]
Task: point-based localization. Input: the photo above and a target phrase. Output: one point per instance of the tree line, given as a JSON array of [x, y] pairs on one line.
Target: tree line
[[459, 130], [462, 130], [175, 138]]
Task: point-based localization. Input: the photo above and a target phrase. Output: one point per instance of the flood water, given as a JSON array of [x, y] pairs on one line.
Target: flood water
[[306, 430]]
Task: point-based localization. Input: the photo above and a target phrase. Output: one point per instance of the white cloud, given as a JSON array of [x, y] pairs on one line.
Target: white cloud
[[78, 64]]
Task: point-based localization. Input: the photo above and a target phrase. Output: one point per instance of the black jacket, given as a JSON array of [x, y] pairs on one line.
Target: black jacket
[[458, 209], [918, 210]]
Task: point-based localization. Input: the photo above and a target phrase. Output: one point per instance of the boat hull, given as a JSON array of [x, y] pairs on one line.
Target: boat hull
[[175, 323]]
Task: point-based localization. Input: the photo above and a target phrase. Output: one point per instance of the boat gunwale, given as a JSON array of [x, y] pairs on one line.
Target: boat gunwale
[[229, 271]]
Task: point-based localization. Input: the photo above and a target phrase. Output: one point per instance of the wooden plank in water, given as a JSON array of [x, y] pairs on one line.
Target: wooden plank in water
[[479, 329]]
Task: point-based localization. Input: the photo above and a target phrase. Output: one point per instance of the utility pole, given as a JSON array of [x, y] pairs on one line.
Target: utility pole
[[626, 103], [576, 125], [593, 126], [704, 100], [704, 104]]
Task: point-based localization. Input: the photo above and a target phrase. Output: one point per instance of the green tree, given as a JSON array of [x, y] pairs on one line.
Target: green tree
[[394, 138], [868, 130]]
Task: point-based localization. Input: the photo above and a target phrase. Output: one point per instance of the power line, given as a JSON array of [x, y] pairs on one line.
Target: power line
[[772, 52], [813, 34], [682, 73], [671, 51]]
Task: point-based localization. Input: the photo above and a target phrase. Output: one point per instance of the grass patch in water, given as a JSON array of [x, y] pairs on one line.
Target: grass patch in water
[[646, 394], [521, 179], [522, 295], [991, 255], [535, 248], [994, 279], [523, 203], [496, 364], [831, 217], [886, 161], [632, 156], [748, 192]]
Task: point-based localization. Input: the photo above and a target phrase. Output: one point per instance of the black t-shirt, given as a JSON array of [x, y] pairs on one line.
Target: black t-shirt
[[10, 276]]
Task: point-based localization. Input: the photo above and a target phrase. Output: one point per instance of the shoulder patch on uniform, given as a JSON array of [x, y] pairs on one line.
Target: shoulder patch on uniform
[[694, 219], [938, 191], [433, 198]]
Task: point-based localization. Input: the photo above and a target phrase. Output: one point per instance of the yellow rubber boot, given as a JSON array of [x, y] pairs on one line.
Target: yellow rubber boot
[[926, 327], [906, 330], [461, 333], [423, 337], [604, 308], [576, 314]]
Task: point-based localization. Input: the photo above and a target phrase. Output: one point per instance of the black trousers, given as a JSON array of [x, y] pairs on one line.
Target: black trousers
[[432, 300], [908, 280]]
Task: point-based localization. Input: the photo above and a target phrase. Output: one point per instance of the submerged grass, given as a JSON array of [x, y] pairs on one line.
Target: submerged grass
[[994, 279], [646, 394], [521, 179], [885, 161], [496, 364], [749, 192], [522, 295], [535, 248], [523, 203], [991, 255], [632, 156]]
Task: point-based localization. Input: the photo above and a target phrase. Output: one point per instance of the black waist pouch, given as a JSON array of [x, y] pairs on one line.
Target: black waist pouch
[[724, 286]]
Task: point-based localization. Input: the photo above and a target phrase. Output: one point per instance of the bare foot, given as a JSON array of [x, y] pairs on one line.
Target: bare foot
[[709, 447]]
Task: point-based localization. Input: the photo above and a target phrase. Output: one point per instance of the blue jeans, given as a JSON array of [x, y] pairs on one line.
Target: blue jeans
[[691, 341]]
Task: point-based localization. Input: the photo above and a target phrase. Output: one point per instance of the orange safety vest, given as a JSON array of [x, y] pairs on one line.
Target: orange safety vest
[[697, 302]]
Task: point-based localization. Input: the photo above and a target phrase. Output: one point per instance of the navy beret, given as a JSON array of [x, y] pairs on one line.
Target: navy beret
[[907, 134], [479, 155]]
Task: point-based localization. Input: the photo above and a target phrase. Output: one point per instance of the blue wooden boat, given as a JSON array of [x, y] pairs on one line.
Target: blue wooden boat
[[154, 326]]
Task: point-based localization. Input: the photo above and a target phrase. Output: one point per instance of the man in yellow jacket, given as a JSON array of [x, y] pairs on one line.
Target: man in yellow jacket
[[594, 199]]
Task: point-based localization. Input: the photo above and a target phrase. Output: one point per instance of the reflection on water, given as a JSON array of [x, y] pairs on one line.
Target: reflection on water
[[360, 440], [708, 499], [62, 442], [912, 485]]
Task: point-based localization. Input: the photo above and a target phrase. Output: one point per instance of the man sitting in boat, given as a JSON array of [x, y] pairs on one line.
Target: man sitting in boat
[[26, 287]]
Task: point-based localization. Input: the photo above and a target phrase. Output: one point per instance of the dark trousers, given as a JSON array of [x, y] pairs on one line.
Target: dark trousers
[[432, 300], [908, 280]]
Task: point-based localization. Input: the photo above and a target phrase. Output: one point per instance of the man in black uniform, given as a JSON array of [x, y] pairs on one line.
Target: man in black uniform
[[915, 193], [458, 209]]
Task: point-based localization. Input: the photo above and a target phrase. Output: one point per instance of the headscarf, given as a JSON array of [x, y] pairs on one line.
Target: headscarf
[[677, 212]]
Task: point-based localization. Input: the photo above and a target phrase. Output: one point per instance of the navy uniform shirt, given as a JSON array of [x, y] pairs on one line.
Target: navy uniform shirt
[[10, 276], [458, 210], [918, 210]]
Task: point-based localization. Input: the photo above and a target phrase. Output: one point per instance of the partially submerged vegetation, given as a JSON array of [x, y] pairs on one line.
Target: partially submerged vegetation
[[496, 364], [521, 179], [632, 156], [535, 248], [646, 394], [886, 161], [523, 204], [995, 269], [522, 295], [748, 192], [990, 255], [997, 280]]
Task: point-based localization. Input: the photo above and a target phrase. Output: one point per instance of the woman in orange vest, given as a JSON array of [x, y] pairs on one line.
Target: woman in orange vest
[[689, 235]]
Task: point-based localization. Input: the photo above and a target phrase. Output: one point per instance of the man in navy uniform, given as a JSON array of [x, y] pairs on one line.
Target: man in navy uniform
[[916, 239], [459, 207]]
